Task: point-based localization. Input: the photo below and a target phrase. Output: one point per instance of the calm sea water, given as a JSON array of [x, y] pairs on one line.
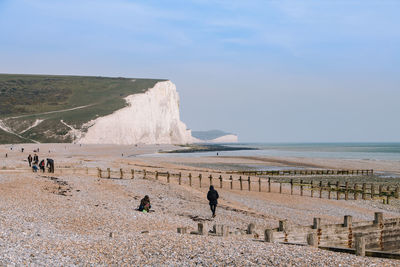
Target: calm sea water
[[369, 151]]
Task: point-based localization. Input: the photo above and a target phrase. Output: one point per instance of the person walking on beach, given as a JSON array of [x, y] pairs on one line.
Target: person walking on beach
[[41, 165], [212, 197], [35, 159], [30, 160]]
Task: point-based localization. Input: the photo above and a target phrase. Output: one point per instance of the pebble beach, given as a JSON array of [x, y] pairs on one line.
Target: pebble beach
[[67, 219]]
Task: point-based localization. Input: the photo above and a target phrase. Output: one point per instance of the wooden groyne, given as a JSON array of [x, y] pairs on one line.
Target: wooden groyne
[[304, 172], [380, 237], [314, 188]]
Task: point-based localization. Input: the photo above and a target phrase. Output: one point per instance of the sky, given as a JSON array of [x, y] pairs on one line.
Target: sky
[[269, 71]]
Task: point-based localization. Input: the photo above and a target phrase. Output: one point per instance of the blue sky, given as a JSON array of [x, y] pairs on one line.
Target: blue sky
[[273, 71]]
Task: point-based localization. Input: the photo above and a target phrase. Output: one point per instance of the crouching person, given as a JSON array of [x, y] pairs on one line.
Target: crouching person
[[145, 204]]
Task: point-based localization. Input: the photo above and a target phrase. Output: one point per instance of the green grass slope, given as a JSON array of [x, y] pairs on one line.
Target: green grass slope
[[75, 100]]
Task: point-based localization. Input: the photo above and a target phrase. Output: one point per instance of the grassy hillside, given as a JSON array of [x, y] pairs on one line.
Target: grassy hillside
[[51, 100]]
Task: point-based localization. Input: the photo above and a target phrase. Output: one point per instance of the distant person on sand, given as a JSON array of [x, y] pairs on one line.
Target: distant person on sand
[[212, 197], [41, 165], [30, 160], [145, 204], [35, 159], [50, 165], [34, 168]]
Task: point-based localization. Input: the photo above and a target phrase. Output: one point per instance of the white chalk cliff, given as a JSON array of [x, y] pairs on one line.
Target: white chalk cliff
[[149, 118]]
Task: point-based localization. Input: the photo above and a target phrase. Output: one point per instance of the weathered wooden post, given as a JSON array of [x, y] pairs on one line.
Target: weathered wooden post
[[312, 239], [220, 181], [200, 180], [240, 182], [380, 189], [301, 187], [329, 190], [179, 178], [248, 180], [144, 173], [348, 220], [378, 218], [387, 199], [99, 172], [359, 244], [133, 173], [210, 177], [312, 188], [316, 223], [269, 235], [320, 189], [372, 191], [396, 192], [121, 173], [346, 193], [337, 190], [190, 179], [108, 173], [167, 177], [355, 191], [269, 184], [364, 191], [291, 186], [283, 226], [230, 178], [156, 175], [280, 187], [259, 184]]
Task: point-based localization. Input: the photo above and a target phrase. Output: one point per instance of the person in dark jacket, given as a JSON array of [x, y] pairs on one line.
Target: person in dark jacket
[[30, 160], [212, 197], [145, 204], [41, 165], [50, 165]]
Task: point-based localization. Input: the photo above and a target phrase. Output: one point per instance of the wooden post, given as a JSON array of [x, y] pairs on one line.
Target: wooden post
[[156, 175], [248, 180], [240, 181], [364, 191], [301, 187], [200, 180], [316, 223], [312, 239], [87, 170], [121, 174], [269, 184], [220, 181], [372, 191], [99, 172], [337, 190], [378, 218], [380, 189], [133, 173], [329, 190], [359, 244], [387, 199], [179, 178], [312, 188], [259, 184], [108, 173], [291, 186], [167, 177], [320, 189], [346, 193], [190, 179], [396, 192], [280, 187], [230, 178], [210, 179], [355, 191], [269, 235], [144, 173], [348, 220]]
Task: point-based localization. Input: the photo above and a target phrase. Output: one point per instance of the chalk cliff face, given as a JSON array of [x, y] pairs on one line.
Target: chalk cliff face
[[150, 118]]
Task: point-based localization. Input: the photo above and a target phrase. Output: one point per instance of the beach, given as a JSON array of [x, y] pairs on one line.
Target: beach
[[75, 218]]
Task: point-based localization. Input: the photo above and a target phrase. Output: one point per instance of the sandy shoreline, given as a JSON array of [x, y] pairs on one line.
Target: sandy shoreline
[[94, 221]]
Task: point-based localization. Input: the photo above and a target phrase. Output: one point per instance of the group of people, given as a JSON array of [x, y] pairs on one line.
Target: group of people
[[36, 165], [212, 197]]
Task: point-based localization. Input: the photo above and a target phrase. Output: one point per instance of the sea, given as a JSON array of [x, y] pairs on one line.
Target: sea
[[365, 151]]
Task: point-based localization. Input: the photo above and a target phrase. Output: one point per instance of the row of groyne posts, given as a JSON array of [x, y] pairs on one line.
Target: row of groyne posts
[[237, 181], [377, 238]]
